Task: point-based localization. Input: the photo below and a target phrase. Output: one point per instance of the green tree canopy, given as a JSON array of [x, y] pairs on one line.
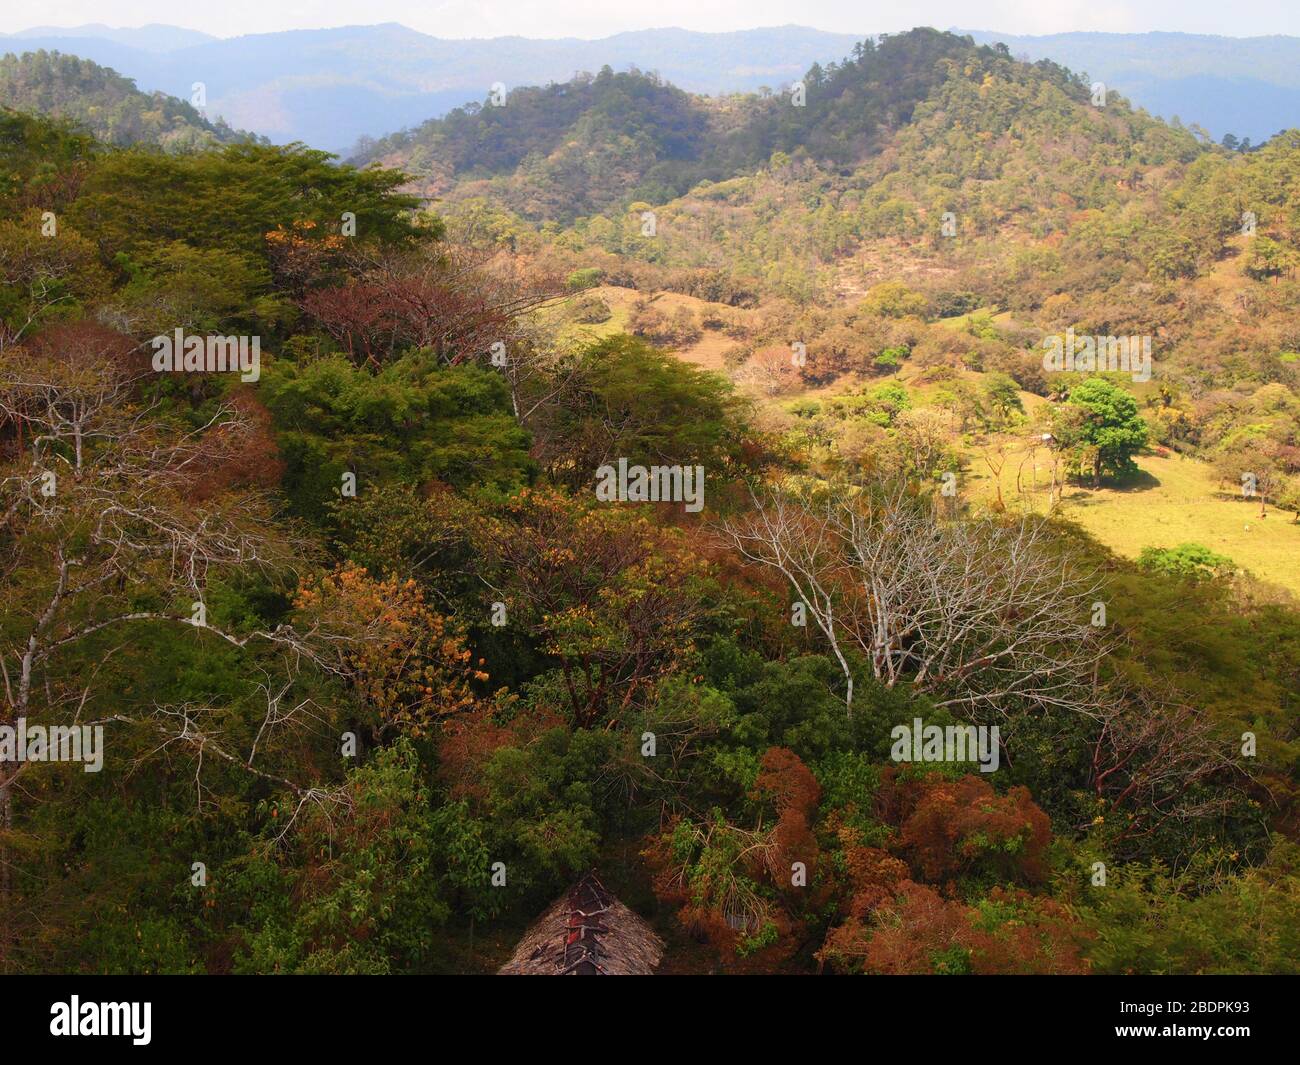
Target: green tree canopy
[[1101, 426]]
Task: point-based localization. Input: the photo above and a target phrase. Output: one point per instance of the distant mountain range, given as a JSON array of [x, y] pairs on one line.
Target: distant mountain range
[[331, 87], [152, 38]]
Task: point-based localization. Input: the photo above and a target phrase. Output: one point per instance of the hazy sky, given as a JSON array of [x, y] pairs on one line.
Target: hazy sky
[[599, 18]]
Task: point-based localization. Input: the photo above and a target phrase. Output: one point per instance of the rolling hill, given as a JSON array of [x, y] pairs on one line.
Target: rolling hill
[[104, 103], [329, 87]]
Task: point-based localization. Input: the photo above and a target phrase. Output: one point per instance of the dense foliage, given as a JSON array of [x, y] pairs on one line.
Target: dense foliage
[[378, 671]]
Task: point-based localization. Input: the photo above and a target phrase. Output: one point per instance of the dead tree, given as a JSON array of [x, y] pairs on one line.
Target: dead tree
[[979, 614]]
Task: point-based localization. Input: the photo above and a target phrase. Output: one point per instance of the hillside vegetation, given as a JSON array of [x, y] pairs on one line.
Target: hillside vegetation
[[105, 103], [621, 508]]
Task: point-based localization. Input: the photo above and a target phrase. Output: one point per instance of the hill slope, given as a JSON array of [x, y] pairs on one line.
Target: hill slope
[[104, 102], [568, 149], [1244, 86]]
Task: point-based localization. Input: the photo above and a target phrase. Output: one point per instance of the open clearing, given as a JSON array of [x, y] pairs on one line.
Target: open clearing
[[1175, 500]]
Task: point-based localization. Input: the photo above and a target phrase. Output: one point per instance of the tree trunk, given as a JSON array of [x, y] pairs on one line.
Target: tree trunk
[[7, 937]]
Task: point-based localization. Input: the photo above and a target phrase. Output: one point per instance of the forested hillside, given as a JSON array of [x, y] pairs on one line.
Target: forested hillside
[[387, 646], [105, 103], [603, 141]]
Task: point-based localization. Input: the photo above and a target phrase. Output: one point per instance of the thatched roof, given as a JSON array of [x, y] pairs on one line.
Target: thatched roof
[[586, 932]]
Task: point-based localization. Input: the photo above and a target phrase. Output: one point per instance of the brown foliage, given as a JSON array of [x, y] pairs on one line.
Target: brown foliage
[[795, 793], [87, 341], [731, 883], [947, 827], [874, 876], [920, 932], [470, 740], [454, 302], [244, 452]]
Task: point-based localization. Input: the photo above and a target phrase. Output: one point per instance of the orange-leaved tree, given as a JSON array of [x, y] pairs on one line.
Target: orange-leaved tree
[[408, 662]]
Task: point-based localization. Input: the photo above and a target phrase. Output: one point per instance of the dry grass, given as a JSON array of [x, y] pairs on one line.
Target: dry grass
[[1175, 500]]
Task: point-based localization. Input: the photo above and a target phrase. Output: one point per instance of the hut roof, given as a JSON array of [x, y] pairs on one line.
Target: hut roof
[[586, 932]]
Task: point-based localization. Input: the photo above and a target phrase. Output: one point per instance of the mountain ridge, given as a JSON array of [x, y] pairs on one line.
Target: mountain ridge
[[333, 86]]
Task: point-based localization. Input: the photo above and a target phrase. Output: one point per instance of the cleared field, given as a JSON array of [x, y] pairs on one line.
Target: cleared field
[[1174, 501], [706, 353]]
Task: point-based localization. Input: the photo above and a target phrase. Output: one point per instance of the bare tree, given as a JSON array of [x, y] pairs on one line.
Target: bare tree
[[194, 734], [995, 460], [989, 620], [1153, 759], [770, 371], [795, 533], [99, 511], [980, 614]]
